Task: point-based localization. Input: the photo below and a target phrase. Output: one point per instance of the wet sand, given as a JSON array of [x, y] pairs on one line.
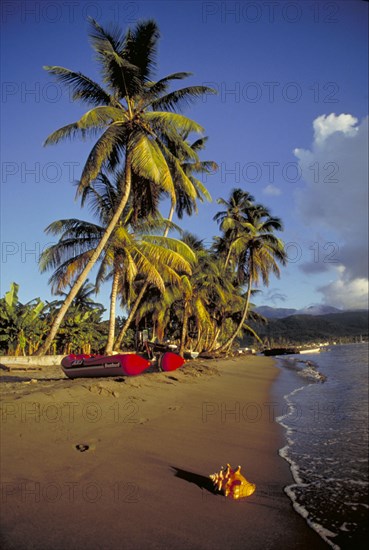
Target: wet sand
[[109, 464]]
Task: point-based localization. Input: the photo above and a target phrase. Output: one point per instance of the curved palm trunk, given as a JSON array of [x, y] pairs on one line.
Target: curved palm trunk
[[215, 339], [129, 320], [95, 256], [198, 340], [228, 258], [230, 340], [141, 293], [113, 301], [186, 314]]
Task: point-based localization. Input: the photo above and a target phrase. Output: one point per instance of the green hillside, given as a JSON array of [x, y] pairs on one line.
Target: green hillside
[[347, 326]]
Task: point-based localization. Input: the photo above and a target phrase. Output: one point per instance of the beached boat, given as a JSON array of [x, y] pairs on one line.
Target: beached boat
[[129, 364], [309, 350], [290, 351], [280, 351], [81, 366], [171, 361]]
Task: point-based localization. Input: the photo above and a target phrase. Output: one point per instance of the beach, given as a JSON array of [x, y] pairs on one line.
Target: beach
[[124, 463]]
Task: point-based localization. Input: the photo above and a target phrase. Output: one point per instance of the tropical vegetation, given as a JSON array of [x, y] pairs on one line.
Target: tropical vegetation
[[146, 154]]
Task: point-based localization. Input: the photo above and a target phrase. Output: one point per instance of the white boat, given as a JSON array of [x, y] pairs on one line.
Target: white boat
[[311, 350]]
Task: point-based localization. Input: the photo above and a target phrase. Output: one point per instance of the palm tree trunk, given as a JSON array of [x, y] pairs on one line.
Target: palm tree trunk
[[229, 342], [207, 338], [113, 301], [186, 314], [141, 293], [215, 339], [170, 217], [129, 320], [228, 258], [198, 340], [95, 256]]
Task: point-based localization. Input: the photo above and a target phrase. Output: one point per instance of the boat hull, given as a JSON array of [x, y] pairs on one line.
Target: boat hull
[[280, 351], [85, 366], [171, 361], [306, 351]]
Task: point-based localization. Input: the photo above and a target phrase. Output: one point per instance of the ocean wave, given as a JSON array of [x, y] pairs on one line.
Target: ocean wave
[[324, 448], [323, 532], [303, 367]]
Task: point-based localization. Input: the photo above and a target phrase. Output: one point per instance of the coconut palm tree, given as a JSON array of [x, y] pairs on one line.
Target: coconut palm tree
[[200, 290], [182, 202], [126, 254], [230, 220], [257, 251], [134, 116]]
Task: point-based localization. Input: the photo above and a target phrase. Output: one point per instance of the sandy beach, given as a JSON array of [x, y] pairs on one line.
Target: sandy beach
[[123, 463]]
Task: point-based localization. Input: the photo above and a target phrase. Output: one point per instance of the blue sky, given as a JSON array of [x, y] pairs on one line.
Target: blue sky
[[289, 125]]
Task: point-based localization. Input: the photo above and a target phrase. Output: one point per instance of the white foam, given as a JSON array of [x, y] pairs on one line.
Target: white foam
[[295, 471], [322, 531]]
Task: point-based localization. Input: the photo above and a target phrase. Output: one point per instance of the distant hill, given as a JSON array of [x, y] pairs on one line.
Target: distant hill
[[346, 326], [274, 312], [318, 310], [281, 312]]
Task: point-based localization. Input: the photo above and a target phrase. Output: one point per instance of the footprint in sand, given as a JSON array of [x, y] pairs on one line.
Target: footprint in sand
[[104, 392], [82, 447], [175, 407]]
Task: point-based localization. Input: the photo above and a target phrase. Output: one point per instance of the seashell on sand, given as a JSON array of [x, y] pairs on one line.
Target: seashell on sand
[[232, 483]]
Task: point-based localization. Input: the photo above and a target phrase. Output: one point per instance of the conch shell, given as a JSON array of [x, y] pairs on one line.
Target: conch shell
[[232, 483]]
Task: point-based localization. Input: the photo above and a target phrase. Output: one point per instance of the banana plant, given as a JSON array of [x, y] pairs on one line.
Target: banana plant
[[20, 324]]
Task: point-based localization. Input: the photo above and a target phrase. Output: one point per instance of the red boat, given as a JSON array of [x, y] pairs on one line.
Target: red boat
[[129, 364], [171, 361], [81, 366]]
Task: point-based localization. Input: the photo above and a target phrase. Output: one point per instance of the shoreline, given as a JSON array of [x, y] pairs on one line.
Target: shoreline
[[146, 445]]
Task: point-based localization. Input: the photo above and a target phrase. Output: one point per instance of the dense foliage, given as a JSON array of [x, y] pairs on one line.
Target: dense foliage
[[146, 153], [343, 327]]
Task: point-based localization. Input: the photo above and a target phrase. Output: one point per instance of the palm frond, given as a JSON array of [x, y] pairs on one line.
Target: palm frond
[[178, 99], [105, 152], [157, 88], [68, 131], [65, 274], [118, 73], [148, 161], [169, 122], [140, 47], [101, 116], [82, 87], [175, 245]]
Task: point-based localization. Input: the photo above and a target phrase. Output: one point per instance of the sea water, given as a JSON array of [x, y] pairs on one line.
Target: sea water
[[326, 426]]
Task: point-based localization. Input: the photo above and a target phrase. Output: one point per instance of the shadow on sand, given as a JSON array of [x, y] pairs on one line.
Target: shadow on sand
[[201, 481]]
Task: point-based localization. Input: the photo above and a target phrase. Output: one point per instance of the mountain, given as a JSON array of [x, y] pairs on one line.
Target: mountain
[[346, 326], [274, 312], [281, 312], [318, 309]]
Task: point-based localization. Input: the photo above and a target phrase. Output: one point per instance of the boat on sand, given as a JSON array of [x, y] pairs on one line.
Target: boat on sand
[[129, 364]]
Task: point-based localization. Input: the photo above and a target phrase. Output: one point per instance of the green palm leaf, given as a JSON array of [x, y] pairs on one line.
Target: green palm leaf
[[172, 122], [83, 88], [180, 98], [105, 152]]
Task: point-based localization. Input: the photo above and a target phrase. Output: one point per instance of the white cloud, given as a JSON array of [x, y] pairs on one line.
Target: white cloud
[[272, 190], [326, 125], [336, 199], [346, 294]]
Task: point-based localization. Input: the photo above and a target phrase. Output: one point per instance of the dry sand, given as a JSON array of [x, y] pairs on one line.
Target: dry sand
[[107, 464]]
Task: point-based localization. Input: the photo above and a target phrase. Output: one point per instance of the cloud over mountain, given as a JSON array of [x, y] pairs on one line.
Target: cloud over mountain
[[335, 199]]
